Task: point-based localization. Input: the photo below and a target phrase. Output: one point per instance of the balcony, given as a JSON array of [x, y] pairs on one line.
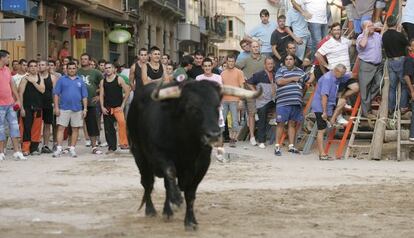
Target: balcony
[[214, 27], [188, 32], [175, 6]]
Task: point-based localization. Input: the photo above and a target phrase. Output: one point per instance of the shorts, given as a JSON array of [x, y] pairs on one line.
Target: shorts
[[47, 115], [66, 117], [251, 106], [289, 113], [8, 117], [343, 86], [380, 4], [320, 123], [92, 122]]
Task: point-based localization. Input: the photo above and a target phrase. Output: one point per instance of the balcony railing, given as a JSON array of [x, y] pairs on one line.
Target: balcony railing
[[131, 5]]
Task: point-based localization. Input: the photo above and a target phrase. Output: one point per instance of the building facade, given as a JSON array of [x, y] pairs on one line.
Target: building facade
[[233, 13], [158, 25], [85, 24]]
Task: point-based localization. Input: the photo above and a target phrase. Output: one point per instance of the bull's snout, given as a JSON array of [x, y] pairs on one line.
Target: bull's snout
[[211, 136]]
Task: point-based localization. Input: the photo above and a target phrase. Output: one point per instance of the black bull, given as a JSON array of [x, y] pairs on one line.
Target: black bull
[[170, 131]]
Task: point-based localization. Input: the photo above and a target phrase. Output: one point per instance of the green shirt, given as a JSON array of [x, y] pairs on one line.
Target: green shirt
[[180, 74], [124, 77], [92, 78]]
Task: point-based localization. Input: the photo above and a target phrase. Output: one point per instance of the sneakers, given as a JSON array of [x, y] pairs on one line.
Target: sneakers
[[411, 139], [72, 152], [272, 122], [96, 151], [253, 141], [232, 143], [36, 152], [46, 150], [2, 156], [262, 146], [341, 120], [58, 152], [293, 150], [19, 156], [88, 143], [277, 151], [104, 144], [220, 154]]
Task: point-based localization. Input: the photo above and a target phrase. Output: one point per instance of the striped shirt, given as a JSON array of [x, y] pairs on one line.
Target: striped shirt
[[337, 52], [290, 94]]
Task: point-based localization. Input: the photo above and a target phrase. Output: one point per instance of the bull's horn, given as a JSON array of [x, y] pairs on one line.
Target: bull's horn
[[240, 92], [166, 93]]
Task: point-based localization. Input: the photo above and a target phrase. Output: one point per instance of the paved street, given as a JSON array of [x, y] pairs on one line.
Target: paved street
[[254, 195]]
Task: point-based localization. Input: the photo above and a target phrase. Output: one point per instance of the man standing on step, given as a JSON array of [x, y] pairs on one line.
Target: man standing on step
[[369, 47], [395, 44]]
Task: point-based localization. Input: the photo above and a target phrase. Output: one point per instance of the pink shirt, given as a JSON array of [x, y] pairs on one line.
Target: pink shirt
[[6, 97], [215, 78]]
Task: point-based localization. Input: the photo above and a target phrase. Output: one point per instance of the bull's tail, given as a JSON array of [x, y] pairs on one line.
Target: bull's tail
[[142, 203]]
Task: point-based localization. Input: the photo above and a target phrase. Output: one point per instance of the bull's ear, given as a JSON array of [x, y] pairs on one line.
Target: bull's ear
[[166, 93], [240, 92]]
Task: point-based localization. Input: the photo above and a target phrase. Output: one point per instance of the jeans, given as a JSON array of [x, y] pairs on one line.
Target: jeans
[[318, 31], [301, 49], [232, 107], [358, 23], [8, 116], [261, 124], [395, 71]]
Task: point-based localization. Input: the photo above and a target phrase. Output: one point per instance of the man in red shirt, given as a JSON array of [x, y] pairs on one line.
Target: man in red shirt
[[9, 101]]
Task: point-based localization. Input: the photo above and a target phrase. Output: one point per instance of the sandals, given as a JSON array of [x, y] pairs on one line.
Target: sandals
[[96, 151], [324, 157]]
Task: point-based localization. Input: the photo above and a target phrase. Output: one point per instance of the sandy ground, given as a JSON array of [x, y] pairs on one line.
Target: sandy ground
[[254, 195]]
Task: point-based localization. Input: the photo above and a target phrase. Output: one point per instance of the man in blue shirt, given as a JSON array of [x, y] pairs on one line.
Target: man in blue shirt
[[290, 81], [70, 97], [324, 101], [245, 46], [263, 32]]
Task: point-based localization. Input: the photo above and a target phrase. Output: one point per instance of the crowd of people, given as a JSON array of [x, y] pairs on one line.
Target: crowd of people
[[283, 57]]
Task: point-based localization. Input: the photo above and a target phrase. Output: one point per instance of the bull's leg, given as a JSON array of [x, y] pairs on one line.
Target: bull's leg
[[172, 188], [190, 221], [147, 181], [167, 212]]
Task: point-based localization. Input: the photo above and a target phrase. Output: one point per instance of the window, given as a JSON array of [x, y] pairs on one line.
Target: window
[[94, 46], [230, 28]]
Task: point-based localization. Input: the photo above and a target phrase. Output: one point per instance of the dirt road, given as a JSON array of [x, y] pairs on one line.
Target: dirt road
[[255, 195]]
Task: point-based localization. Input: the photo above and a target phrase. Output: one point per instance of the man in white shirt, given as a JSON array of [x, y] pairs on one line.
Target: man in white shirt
[[336, 50], [21, 72], [315, 13]]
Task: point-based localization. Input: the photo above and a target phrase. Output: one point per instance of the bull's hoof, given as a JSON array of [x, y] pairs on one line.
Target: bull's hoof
[[167, 213], [150, 212], [190, 226]]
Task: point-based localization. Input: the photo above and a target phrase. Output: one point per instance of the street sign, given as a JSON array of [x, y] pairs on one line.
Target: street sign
[[14, 5], [12, 29]]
